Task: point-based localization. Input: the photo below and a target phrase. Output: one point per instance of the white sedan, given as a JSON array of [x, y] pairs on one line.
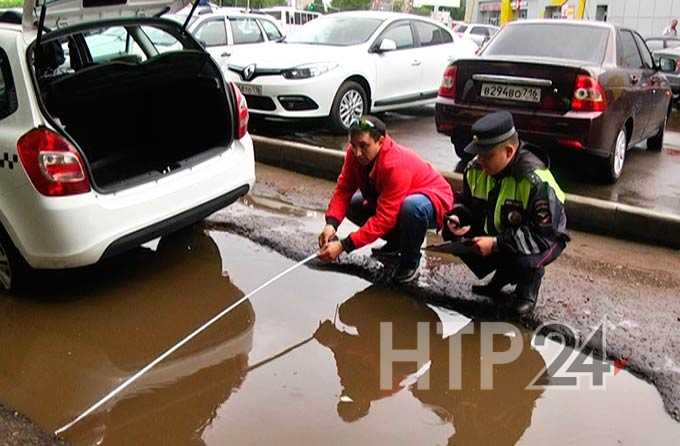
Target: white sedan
[[347, 64]]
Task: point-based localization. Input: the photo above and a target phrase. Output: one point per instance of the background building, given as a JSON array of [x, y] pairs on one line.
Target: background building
[[648, 17]]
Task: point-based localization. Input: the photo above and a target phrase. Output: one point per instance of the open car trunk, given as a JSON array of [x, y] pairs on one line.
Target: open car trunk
[[135, 122]]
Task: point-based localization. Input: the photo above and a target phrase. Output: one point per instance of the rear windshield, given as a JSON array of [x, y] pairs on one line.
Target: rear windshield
[[554, 40]]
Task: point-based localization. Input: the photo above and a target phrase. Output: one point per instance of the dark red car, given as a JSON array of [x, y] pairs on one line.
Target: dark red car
[[585, 86]]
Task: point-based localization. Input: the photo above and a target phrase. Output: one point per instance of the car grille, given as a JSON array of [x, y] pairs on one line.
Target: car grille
[[260, 103]]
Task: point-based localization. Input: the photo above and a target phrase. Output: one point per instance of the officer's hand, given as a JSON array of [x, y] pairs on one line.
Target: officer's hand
[[453, 223], [330, 251], [484, 246], [326, 235]]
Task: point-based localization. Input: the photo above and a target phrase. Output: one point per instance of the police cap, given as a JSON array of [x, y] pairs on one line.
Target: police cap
[[490, 131]]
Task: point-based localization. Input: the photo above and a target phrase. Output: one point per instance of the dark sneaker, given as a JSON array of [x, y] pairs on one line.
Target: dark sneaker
[[494, 287], [387, 250], [406, 274]]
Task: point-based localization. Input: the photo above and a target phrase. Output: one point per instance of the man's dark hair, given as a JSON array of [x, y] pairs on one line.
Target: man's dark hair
[[368, 124]]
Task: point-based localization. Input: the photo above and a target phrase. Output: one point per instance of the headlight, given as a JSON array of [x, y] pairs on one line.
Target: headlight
[[309, 70]]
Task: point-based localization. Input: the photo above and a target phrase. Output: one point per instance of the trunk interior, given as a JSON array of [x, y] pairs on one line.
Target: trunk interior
[[138, 121]]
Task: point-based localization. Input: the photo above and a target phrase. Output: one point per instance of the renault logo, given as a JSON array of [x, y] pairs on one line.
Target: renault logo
[[248, 72]]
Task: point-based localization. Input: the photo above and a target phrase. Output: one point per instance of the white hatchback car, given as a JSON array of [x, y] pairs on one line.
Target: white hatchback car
[[346, 64], [101, 154]]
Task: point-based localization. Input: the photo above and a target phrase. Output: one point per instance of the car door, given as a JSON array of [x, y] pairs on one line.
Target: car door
[[212, 33], [244, 31], [398, 72], [636, 83], [435, 50], [658, 101]]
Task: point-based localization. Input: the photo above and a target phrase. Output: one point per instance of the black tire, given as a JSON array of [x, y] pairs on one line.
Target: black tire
[[14, 271], [612, 166], [655, 143], [351, 92]]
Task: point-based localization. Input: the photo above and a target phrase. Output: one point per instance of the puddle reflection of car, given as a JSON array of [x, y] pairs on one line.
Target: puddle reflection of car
[[584, 86], [496, 416], [125, 318], [343, 65], [98, 156]]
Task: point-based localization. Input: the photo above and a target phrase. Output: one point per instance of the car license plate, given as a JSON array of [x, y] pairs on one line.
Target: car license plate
[[511, 92], [254, 90]]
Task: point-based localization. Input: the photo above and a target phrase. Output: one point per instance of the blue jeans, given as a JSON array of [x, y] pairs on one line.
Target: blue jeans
[[415, 218]]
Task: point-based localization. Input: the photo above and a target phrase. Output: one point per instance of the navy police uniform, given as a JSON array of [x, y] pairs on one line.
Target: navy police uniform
[[522, 206]]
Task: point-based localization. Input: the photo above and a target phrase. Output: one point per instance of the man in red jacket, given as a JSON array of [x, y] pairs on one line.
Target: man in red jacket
[[391, 193]]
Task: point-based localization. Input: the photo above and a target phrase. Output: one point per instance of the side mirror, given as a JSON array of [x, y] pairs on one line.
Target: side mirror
[[667, 64], [387, 45], [202, 43]]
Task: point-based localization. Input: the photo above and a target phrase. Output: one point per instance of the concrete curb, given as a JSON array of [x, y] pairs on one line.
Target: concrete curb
[[584, 213]]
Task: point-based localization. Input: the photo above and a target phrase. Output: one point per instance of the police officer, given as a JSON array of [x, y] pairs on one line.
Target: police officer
[[511, 212]]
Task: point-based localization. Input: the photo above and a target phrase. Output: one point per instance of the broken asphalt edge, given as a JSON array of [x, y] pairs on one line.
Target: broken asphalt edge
[[583, 213]]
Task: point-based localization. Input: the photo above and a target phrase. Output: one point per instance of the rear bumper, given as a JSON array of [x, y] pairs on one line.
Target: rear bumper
[[579, 131], [175, 223], [66, 232]]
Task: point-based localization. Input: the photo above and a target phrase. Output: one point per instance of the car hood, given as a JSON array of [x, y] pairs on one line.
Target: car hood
[[63, 13], [281, 55]]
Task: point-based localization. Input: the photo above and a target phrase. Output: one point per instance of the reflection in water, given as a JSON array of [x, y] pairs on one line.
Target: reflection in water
[[499, 416], [122, 317]]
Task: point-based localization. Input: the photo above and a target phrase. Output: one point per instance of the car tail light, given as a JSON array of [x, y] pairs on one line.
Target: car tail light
[[588, 95], [53, 165], [448, 87], [243, 115], [571, 143]]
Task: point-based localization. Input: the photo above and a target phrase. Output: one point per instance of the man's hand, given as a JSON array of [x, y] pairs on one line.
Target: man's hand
[[330, 251], [453, 223], [326, 235], [484, 246]]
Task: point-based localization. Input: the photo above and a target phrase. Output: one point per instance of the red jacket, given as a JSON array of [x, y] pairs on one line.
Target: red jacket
[[396, 173]]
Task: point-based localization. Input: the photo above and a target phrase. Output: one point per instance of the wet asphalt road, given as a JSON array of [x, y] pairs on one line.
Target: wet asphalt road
[[649, 179], [299, 363]]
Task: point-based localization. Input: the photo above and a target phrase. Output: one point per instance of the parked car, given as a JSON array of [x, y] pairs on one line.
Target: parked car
[[346, 64], [224, 31], [478, 33], [586, 86], [99, 156], [669, 60], [662, 42]]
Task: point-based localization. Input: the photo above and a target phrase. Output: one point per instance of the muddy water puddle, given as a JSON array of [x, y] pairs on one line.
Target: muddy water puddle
[[299, 364]]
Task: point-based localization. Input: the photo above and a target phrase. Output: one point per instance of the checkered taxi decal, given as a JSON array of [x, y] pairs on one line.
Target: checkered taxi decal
[[8, 160]]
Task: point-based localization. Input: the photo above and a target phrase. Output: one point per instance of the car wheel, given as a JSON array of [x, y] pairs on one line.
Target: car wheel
[[13, 268], [655, 143], [613, 165], [349, 104]]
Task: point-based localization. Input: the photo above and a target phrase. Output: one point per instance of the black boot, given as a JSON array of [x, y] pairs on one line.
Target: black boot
[[526, 293], [389, 249], [493, 288]]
